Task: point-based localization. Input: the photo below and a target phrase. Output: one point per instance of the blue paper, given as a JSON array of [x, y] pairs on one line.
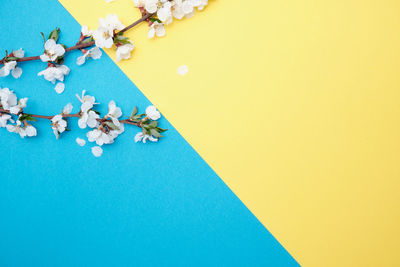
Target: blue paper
[[154, 204]]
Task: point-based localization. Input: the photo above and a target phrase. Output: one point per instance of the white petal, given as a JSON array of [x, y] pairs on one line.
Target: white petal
[[160, 31], [80, 141], [44, 58], [15, 109], [95, 53], [59, 49], [59, 88], [30, 131], [152, 139], [17, 72], [67, 109], [19, 53], [182, 70], [138, 137], [97, 151], [4, 71], [56, 118], [151, 33], [83, 120], [108, 43], [50, 43], [80, 60]]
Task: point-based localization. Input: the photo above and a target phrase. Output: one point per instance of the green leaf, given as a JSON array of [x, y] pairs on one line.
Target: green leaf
[[134, 112], [44, 38], [145, 126], [155, 19], [88, 40], [161, 130], [155, 133], [11, 59], [27, 117], [111, 125], [153, 124], [145, 131], [121, 39], [55, 34]]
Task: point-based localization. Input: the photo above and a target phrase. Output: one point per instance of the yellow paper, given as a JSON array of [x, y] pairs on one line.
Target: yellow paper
[[295, 104]]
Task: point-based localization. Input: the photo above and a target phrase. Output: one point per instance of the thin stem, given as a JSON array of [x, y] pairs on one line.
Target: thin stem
[[84, 45], [145, 17]]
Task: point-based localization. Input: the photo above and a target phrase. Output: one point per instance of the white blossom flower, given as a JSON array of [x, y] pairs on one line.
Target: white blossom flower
[[55, 73], [186, 8], [52, 51], [88, 119], [11, 66], [151, 5], [19, 53], [87, 101], [156, 28], [99, 137], [85, 31], [114, 113], [182, 70], [17, 108], [153, 113], [140, 136], [164, 12], [4, 118], [114, 133], [23, 131], [80, 141], [7, 98], [139, 3], [59, 88], [161, 7], [109, 1], [97, 151], [111, 22], [124, 51], [103, 37], [105, 32], [94, 53], [202, 5], [67, 109], [58, 124]]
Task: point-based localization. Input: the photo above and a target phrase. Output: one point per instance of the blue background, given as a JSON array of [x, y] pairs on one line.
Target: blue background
[[139, 204]]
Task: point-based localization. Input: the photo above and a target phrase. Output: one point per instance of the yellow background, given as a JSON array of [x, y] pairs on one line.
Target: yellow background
[[296, 105]]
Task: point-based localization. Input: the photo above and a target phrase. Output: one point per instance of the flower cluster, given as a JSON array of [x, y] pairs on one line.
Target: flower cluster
[[104, 129], [109, 32], [10, 64], [106, 36], [166, 10], [12, 106], [54, 56]]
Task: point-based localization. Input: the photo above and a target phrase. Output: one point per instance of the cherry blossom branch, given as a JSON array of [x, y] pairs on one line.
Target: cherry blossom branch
[[76, 115], [80, 46]]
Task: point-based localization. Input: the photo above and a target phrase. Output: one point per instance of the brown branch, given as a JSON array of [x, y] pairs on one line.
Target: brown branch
[[84, 45], [143, 18]]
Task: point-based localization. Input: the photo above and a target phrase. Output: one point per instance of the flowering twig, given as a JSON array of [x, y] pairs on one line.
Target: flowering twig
[[76, 115], [83, 45], [105, 129]]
